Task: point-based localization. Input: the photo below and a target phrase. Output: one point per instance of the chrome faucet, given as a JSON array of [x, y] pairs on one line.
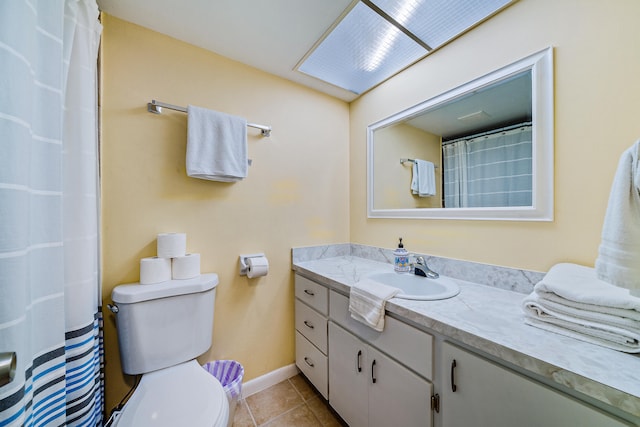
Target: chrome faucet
[[420, 268]]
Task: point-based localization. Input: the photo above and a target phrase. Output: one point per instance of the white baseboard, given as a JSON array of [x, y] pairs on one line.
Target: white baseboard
[[267, 380]]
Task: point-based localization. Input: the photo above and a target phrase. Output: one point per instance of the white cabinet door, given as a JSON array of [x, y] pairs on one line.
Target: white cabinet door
[[348, 376], [397, 397], [477, 392], [369, 389]]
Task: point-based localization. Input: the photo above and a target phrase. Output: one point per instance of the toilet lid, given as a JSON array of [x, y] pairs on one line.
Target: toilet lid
[[184, 395]]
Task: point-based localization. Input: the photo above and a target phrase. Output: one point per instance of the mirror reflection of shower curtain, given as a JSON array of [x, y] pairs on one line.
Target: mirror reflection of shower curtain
[[489, 171], [455, 175]]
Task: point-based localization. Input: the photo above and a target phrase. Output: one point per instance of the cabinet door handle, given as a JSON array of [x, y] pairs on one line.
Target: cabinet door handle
[[308, 362], [308, 292], [358, 360], [309, 324], [373, 372], [453, 376]]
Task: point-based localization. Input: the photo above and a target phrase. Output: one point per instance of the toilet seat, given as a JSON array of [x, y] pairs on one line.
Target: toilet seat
[[181, 395]]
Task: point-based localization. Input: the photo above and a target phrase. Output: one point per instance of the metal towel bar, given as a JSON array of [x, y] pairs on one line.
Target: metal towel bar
[[156, 107]]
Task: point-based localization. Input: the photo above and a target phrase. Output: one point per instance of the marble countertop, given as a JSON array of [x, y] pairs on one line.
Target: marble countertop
[[491, 320]]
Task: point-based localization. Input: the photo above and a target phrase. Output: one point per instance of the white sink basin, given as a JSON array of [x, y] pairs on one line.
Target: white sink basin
[[418, 287]]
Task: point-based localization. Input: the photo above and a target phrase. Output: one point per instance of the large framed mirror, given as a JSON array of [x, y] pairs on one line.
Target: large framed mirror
[[483, 150]]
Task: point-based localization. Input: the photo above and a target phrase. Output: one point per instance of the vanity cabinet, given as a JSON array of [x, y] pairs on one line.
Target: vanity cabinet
[[386, 378], [368, 388], [378, 378], [476, 391], [311, 316]]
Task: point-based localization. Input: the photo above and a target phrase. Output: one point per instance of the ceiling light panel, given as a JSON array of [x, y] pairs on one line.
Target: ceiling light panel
[[362, 50], [436, 22]]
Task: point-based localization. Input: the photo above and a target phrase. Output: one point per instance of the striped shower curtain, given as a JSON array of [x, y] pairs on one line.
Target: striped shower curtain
[[49, 282]]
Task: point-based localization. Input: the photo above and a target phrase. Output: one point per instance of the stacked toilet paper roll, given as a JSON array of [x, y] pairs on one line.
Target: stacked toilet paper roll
[[154, 270], [171, 245], [257, 267], [172, 261], [186, 266]]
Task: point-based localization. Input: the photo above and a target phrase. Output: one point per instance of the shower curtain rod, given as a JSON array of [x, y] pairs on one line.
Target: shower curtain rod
[[489, 132], [155, 107]]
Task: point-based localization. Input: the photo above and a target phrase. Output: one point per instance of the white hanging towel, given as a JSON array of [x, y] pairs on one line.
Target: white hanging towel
[[618, 259], [216, 145], [424, 178]]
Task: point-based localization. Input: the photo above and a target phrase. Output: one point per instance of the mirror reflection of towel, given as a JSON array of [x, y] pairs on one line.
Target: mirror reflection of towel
[[216, 145], [424, 178]]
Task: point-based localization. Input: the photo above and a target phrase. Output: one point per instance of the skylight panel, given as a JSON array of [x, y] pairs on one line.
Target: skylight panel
[[437, 21], [363, 50], [378, 38]]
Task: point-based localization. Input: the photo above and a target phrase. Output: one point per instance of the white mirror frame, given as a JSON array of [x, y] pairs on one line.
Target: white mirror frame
[[541, 66]]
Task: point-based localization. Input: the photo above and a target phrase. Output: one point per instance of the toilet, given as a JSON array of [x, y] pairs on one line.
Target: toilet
[[162, 329]]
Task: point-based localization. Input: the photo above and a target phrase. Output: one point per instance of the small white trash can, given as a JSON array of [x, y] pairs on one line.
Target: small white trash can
[[229, 373]]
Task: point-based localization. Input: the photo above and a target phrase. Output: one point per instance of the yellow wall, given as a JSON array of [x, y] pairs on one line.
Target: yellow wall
[[597, 65], [296, 193]]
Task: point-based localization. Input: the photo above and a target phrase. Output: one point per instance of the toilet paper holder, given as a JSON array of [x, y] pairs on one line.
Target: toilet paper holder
[[243, 262]]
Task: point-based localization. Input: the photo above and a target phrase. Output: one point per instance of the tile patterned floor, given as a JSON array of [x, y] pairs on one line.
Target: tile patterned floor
[[291, 403]]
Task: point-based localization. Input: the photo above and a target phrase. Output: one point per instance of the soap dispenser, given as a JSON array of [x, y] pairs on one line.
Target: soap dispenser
[[401, 263]]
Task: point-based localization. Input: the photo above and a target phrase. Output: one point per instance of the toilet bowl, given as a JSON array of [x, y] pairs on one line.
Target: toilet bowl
[[183, 395], [162, 329]]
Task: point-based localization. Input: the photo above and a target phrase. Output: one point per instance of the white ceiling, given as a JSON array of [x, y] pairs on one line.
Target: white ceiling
[[271, 35]]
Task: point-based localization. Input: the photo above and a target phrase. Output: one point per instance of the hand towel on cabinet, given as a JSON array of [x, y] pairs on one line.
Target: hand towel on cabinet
[[367, 300]]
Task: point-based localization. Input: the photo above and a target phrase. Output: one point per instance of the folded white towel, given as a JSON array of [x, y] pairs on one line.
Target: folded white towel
[[423, 182], [572, 301], [620, 341], [367, 300], [561, 308], [580, 284], [618, 259], [216, 145]]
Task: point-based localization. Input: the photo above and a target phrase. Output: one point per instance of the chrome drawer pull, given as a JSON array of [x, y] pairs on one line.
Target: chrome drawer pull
[[308, 362], [310, 293], [309, 324]]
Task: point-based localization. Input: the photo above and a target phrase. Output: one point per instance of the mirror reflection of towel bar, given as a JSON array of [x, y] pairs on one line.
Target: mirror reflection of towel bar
[[413, 161]]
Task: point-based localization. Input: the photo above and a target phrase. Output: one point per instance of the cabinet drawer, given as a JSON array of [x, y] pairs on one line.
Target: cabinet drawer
[[408, 345], [313, 364], [313, 294], [312, 325]]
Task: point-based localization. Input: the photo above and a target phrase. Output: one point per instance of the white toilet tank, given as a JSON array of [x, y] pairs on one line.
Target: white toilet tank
[[164, 324]]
